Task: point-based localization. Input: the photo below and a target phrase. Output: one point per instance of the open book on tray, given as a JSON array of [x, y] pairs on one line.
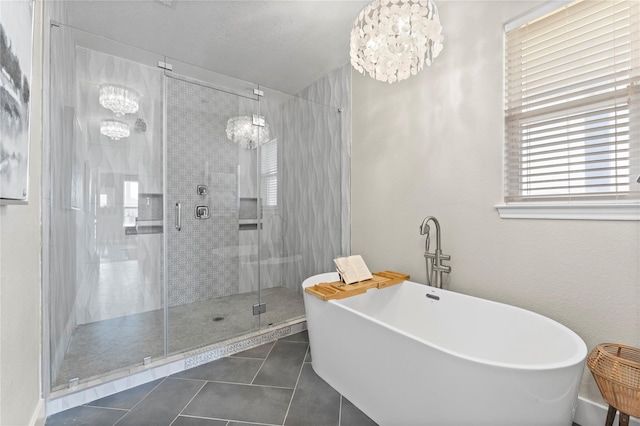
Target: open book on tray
[[352, 269]]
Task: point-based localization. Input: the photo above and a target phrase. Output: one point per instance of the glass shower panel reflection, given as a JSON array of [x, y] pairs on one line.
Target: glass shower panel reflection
[[301, 185], [106, 209], [210, 181], [312, 183]]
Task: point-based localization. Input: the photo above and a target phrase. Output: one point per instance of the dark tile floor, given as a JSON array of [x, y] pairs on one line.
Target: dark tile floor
[[272, 384]]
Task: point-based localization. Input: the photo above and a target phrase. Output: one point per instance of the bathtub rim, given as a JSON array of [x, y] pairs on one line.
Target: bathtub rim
[[576, 359]]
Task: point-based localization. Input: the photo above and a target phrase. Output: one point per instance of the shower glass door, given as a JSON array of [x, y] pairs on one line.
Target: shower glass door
[[211, 187], [104, 269], [125, 286], [187, 221]]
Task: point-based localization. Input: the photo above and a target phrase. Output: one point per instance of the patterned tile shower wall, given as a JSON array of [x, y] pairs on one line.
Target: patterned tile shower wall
[[315, 199], [203, 255]]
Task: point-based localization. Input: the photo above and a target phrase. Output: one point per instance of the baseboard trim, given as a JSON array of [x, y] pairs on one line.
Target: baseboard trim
[[38, 417], [590, 413]]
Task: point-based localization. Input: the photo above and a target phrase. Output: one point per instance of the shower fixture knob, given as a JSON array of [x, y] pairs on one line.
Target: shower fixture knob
[[202, 212]]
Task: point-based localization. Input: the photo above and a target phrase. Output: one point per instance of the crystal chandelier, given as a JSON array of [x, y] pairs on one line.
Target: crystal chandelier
[[248, 131], [114, 129], [393, 39], [119, 99]]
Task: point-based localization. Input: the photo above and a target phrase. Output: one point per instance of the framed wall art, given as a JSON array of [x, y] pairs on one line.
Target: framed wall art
[[16, 43]]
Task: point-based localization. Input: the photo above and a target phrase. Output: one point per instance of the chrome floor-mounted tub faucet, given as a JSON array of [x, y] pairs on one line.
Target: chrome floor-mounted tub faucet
[[435, 267]]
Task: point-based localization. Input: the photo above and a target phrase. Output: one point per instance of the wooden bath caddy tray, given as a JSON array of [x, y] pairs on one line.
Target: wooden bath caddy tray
[[340, 290]]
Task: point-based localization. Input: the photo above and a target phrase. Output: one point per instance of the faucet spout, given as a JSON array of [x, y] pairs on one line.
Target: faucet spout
[[424, 228], [435, 267]]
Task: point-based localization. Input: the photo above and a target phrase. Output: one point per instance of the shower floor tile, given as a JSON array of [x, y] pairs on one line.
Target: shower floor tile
[[103, 346], [216, 394]]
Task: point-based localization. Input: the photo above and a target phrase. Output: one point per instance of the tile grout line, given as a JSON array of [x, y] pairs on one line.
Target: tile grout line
[[225, 420], [187, 404], [141, 399], [245, 423], [340, 412], [263, 361], [242, 357], [286, 414], [191, 416], [122, 417], [88, 404], [105, 408], [236, 383]]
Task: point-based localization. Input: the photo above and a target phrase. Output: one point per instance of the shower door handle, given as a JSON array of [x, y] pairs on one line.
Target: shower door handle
[[178, 216]]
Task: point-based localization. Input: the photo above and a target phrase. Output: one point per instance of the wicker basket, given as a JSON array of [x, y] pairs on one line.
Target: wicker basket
[[616, 368]]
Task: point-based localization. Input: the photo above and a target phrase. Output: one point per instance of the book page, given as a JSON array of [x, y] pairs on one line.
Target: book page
[[352, 269]]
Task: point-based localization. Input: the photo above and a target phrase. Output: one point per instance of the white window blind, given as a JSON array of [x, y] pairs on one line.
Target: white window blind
[[572, 107], [269, 168]]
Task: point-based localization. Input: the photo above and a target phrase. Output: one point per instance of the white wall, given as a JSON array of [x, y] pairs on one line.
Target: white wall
[[20, 243], [432, 145]]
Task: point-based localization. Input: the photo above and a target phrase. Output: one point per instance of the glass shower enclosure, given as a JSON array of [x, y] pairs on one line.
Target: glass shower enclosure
[[185, 221]]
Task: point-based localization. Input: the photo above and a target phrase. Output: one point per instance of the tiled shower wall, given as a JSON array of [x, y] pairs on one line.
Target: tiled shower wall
[[315, 176], [203, 256]]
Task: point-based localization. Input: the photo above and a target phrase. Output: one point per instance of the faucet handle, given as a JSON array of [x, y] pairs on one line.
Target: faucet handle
[[442, 268]]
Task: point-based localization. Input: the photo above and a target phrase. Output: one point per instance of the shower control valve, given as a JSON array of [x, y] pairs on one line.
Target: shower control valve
[[202, 190], [202, 212]]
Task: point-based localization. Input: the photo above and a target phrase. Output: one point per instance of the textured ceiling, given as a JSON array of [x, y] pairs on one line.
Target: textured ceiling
[[282, 45]]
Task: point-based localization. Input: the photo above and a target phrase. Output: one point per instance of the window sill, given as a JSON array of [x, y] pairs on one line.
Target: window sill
[[592, 211]]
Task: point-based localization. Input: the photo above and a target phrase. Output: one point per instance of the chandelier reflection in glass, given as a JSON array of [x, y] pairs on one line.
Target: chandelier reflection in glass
[[393, 39], [248, 131], [119, 99], [114, 129]]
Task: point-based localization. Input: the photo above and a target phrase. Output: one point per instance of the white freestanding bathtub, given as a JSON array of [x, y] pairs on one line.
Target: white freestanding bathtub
[[416, 355]]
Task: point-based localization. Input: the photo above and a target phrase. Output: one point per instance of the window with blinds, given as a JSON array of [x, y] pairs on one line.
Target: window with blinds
[[269, 168], [572, 107]]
